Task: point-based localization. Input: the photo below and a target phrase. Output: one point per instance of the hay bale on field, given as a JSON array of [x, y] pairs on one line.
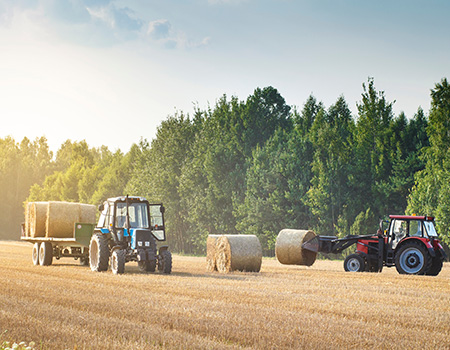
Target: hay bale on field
[[211, 253], [61, 216], [238, 252], [288, 247], [37, 217]]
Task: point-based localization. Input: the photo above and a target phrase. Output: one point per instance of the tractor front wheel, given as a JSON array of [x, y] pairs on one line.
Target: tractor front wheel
[[165, 262], [354, 263], [98, 253], [412, 259], [118, 261], [147, 265]]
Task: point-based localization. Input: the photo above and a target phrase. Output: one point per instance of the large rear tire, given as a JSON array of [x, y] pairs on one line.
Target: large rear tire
[[413, 259], [436, 267], [35, 254], [118, 261], [165, 262], [98, 253], [45, 254], [354, 263]]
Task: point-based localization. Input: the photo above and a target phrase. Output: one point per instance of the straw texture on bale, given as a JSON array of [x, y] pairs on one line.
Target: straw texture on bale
[[288, 247], [37, 217], [61, 217], [27, 218], [211, 253], [238, 252]]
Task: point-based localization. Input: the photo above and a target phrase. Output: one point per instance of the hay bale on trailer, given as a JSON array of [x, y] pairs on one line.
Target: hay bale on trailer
[[27, 218], [61, 217], [288, 247], [87, 213], [37, 217], [211, 253], [238, 252]]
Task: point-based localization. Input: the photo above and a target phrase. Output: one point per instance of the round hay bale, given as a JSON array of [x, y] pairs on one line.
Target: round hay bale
[[27, 218], [238, 252], [211, 253], [37, 218], [288, 247], [61, 217], [88, 213]]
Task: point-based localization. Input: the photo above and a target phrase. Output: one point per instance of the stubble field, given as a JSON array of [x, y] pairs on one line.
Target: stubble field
[[66, 306]]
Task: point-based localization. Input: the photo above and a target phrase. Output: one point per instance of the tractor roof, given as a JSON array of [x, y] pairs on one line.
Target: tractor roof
[[124, 198], [411, 217]]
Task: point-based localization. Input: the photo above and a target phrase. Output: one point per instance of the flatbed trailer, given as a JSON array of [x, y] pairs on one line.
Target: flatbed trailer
[[47, 248]]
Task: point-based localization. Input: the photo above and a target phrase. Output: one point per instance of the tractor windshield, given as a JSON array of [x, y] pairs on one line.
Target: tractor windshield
[[138, 215], [431, 230]]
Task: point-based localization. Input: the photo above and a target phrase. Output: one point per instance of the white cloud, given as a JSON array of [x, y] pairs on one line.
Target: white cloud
[[159, 29]]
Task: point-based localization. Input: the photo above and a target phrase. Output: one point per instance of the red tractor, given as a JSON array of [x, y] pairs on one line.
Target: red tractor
[[410, 243]]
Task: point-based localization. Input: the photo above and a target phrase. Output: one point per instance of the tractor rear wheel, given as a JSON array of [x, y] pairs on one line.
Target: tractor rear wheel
[[354, 263], [147, 265], [413, 259], [45, 254], [165, 262], [35, 254], [118, 261], [98, 253], [436, 267]]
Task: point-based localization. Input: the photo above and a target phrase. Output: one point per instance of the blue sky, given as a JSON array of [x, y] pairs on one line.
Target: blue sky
[[110, 71]]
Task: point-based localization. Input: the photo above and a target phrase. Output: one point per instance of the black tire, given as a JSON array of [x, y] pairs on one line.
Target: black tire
[[98, 253], [35, 254], [165, 262], [436, 267], [45, 254], [355, 263], [147, 265], [118, 261], [413, 258]]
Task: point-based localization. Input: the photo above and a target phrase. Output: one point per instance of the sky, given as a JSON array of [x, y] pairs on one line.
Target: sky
[[110, 71]]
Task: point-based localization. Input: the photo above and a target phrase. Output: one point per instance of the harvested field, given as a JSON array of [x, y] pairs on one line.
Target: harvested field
[[67, 306]]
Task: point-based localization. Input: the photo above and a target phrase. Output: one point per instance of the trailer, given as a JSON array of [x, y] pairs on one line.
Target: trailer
[[47, 248]]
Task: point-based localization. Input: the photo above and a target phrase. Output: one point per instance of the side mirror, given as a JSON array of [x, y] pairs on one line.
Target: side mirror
[[101, 207], [162, 209]]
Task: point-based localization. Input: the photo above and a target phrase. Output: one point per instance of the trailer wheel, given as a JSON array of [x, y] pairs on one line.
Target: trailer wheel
[[118, 261], [354, 263], [436, 267], [45, 254], [165, 262], [98, 253], [147, 265], [413, 259], [35, 254]]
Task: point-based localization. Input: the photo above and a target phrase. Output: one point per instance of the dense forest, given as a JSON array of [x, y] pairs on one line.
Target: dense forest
[[255, 167]]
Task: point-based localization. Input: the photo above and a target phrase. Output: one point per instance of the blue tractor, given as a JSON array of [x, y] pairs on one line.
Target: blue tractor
[[128, 230]]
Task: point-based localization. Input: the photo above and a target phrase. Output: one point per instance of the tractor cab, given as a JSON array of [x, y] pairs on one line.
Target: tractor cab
[[402, 227], [120, 216]]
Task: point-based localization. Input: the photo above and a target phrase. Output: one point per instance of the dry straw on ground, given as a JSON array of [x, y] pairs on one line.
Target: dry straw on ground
[[238, 252], [288, 247], [211, 253], [37, 218]]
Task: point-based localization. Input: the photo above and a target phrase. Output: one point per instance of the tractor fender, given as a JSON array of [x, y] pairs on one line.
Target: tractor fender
[[426, 243], [163, 248]]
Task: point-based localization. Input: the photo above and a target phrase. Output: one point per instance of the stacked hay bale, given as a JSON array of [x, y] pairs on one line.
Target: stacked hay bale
[[56, 219], [288, 247], [234, 253], [37, 217]]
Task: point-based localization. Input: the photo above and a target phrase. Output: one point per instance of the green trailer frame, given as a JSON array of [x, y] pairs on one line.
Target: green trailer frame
[[47, 248]]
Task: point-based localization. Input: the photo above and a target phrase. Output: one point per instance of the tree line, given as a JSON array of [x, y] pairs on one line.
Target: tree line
[[255, 166]]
